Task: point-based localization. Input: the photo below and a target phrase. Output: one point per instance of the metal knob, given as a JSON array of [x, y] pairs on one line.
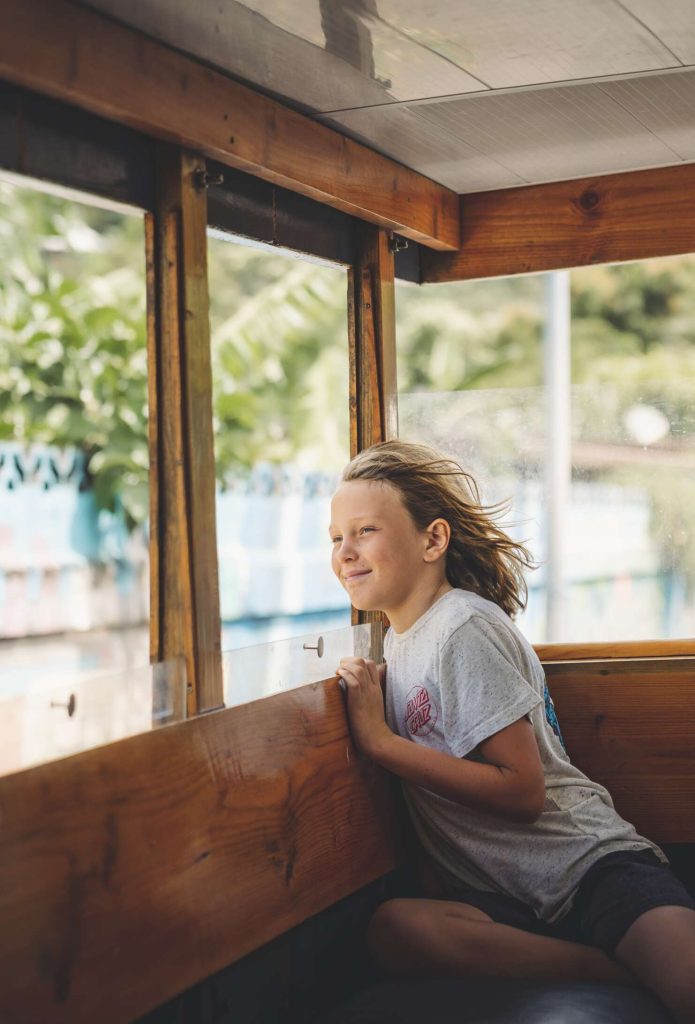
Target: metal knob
[[70, 706], [318, 647]]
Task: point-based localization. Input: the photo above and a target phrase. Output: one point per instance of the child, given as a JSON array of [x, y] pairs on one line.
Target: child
[[537, 875]]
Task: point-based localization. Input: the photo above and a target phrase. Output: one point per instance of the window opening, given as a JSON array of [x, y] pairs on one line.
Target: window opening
[[281, 426], [74, 465], [610, 523]]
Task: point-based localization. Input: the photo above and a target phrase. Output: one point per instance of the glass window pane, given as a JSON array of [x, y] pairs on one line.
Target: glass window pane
[[54, 719], [265, 669], [281, 423], [73, 440], [581, 417]]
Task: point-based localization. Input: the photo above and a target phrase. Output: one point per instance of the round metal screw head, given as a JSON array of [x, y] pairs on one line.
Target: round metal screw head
[[318, 647]]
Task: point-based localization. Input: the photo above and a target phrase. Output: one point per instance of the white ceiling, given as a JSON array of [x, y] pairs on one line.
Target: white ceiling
[[476, 94]]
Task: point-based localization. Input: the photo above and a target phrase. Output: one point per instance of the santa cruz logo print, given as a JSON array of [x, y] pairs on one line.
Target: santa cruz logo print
[[420, 712]]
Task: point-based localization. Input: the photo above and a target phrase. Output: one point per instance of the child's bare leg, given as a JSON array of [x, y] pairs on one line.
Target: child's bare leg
[[660, 948], [457, 940]]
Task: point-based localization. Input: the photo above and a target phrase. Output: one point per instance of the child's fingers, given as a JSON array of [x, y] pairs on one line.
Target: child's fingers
[[362, 670], [349, 677]]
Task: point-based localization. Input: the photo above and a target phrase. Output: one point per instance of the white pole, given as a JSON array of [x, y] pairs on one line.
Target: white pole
[[558, 467]]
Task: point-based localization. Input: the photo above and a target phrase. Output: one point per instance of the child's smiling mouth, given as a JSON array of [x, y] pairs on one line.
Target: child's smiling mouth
[[355, 577]]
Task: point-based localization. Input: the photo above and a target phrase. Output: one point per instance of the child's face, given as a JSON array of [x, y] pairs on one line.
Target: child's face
[[378, 552]]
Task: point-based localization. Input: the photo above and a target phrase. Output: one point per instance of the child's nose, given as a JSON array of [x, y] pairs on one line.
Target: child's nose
[[346, 551]]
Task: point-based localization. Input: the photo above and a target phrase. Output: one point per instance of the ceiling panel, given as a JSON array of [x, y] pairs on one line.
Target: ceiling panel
[[665, 105], [356, 33], [553, 133], [673, 21], [508, 43], [527, 137]]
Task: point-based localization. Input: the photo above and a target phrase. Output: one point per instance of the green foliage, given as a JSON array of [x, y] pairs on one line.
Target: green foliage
[[471, 335], [280, 362], [72, 338]]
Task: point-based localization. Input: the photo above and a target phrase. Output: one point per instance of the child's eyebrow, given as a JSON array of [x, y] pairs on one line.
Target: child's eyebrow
[[356, 519]]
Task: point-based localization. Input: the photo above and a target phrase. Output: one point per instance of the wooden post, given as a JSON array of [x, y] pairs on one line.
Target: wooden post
[[372, 334], [185, 607], [372, 330]]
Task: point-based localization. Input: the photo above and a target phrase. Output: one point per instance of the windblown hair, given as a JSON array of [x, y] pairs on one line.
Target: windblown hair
[[481, 557]]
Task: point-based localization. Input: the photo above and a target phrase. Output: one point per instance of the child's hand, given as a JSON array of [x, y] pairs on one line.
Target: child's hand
[[363, 680]]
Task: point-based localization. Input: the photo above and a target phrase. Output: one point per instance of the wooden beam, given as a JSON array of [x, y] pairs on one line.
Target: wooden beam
[[131, 872], [609, 219], [185, 616], [629, 725], [372, 345], [62, 49]]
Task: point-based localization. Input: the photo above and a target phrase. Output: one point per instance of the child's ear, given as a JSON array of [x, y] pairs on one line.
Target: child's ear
[[438, 537]]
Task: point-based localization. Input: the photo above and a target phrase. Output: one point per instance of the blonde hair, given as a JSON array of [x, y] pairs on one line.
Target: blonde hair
[[481, 557]]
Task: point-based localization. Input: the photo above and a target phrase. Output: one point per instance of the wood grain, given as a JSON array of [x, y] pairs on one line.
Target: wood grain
[[63, 49], [373, 385], [617, 649], [130, 872], [630, 725], [153, 438], [372, 342], [183, 489], [607, 219]]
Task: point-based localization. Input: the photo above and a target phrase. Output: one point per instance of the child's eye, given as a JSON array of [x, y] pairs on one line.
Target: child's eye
[[367, 529], [336, 540]]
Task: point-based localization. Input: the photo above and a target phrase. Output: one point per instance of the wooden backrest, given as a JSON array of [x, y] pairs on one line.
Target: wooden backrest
[[630, 725]]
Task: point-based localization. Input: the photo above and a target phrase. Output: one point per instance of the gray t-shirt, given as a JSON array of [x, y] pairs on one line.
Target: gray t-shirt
[[462, 672]]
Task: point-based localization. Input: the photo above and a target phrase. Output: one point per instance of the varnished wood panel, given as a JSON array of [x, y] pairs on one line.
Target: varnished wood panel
[[605, 219], [185, 591], [372, 342], [130, 872], [372, 345], [67, 51], [153, 437], [631, 726], [618, 649]]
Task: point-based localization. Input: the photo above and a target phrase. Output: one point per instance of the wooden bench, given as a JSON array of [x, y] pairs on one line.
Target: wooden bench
[[236, 858]]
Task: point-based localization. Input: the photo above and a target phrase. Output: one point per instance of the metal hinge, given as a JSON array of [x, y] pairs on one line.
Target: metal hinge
[[397, 244], [203, 178]]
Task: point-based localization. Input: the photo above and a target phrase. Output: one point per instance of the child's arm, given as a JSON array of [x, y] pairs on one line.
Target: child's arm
[[511, 783]]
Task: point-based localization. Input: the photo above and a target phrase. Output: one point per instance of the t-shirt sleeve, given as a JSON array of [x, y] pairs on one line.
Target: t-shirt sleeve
[[482, 687]]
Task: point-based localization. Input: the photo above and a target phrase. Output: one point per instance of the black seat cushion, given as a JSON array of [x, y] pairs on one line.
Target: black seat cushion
[[454, 1001]]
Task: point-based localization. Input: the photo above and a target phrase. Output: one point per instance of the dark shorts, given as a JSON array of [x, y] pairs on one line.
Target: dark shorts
[[614, 892]]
